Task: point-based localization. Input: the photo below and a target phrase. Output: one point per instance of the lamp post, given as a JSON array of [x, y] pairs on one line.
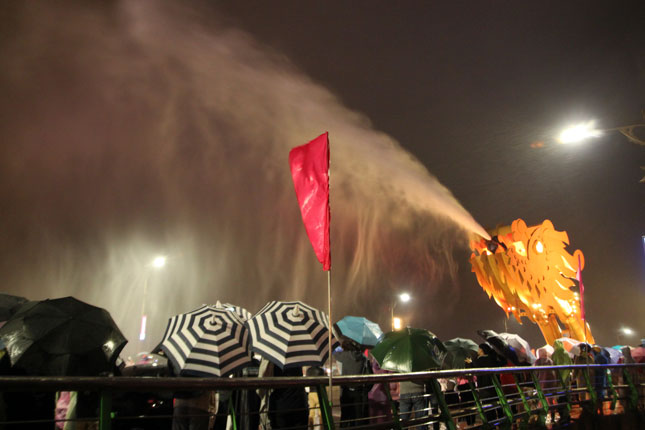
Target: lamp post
[[157, 264], [404, 298]]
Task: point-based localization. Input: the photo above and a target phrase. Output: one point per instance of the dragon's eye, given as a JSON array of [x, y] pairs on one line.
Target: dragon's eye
[[539, 247]]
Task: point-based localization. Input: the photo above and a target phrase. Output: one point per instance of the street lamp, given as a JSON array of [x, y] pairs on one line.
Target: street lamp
[[403, 298], [624, 332], [157, 263], [587, 130], [584, 131], [579, 132]]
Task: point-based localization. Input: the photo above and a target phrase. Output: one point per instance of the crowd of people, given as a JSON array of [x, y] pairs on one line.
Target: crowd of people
[[297, 407]]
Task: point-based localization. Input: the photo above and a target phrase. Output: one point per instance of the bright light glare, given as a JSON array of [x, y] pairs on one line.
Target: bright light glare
[[397, 323], [159, 262], [579, 132], [405, 297], [142, 333], [628, 331]]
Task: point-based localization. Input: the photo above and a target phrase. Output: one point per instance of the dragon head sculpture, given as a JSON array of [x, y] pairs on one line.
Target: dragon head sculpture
[[529, 273]]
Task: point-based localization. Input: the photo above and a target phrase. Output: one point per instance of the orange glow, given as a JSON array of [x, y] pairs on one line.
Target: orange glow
[[530, 275]]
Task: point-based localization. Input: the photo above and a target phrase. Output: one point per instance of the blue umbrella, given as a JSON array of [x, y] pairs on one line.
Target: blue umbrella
[[360, 330]]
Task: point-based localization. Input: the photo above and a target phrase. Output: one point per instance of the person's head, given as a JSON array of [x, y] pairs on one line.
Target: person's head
[[542, 353], [484, 349], [315, 371]]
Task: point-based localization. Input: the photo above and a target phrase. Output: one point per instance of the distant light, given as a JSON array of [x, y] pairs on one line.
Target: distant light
[[627, 331], [142, 333], [539, 247], [579, 132], [397, 323], [404, 297], [159, 261]]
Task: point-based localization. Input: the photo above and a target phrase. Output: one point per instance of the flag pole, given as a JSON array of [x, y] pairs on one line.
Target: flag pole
[[331, 367], [331, 394]]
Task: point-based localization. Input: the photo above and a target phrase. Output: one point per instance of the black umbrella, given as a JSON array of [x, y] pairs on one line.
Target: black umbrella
[[62, 337], [500, 345], [9, 305]]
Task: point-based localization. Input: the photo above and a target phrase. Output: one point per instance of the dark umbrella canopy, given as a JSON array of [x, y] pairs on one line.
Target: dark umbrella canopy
[[500, 345], [62, 337], [410, 350], [459, 349], [9, 305]]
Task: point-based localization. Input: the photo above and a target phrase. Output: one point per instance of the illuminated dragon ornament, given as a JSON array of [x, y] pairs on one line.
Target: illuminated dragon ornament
[[529, 273]]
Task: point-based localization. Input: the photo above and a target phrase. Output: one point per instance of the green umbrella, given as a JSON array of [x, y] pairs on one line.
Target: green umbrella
[[409, 350], [458, 350]]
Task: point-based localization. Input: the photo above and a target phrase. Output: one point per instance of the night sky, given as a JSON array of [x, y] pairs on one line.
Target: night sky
[[132, 130]]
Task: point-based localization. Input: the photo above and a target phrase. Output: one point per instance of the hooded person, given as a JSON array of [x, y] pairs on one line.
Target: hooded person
[[560, 357]]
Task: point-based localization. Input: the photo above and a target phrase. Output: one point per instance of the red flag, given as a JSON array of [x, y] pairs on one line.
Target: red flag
[[582, 290], [310, 171]]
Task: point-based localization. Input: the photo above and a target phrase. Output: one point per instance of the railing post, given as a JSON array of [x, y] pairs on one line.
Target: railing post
[[478, 403], [567, 394], [325, 409], [443, 406], [614, 393], [633, 392], [502, 399], [395, 410], [231, 411], [540, 393], [524, 402], [105, 411], [592, 390]]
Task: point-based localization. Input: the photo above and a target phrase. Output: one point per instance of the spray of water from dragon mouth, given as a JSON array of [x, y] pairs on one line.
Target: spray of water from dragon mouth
[[139, 128]]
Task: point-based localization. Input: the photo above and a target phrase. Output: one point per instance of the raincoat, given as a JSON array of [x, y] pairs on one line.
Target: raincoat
[[560, 357]]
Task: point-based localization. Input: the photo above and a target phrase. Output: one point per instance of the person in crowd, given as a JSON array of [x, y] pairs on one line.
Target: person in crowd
[[265, 370], [584, 357], [600, 379], [412, 401], [191, 410], [635, 374], [487, 357], [288, 405], [560, 357], [548, 380], [353, 398], [379, 405], [466, 397], [315, 416]]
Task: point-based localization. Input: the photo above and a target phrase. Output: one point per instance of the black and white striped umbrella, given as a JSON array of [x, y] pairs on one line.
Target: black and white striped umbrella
[[240, 311], [290, 334], [206, 342]]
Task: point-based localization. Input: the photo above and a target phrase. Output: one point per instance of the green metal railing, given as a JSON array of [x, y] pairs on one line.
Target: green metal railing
[[520, 404]]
